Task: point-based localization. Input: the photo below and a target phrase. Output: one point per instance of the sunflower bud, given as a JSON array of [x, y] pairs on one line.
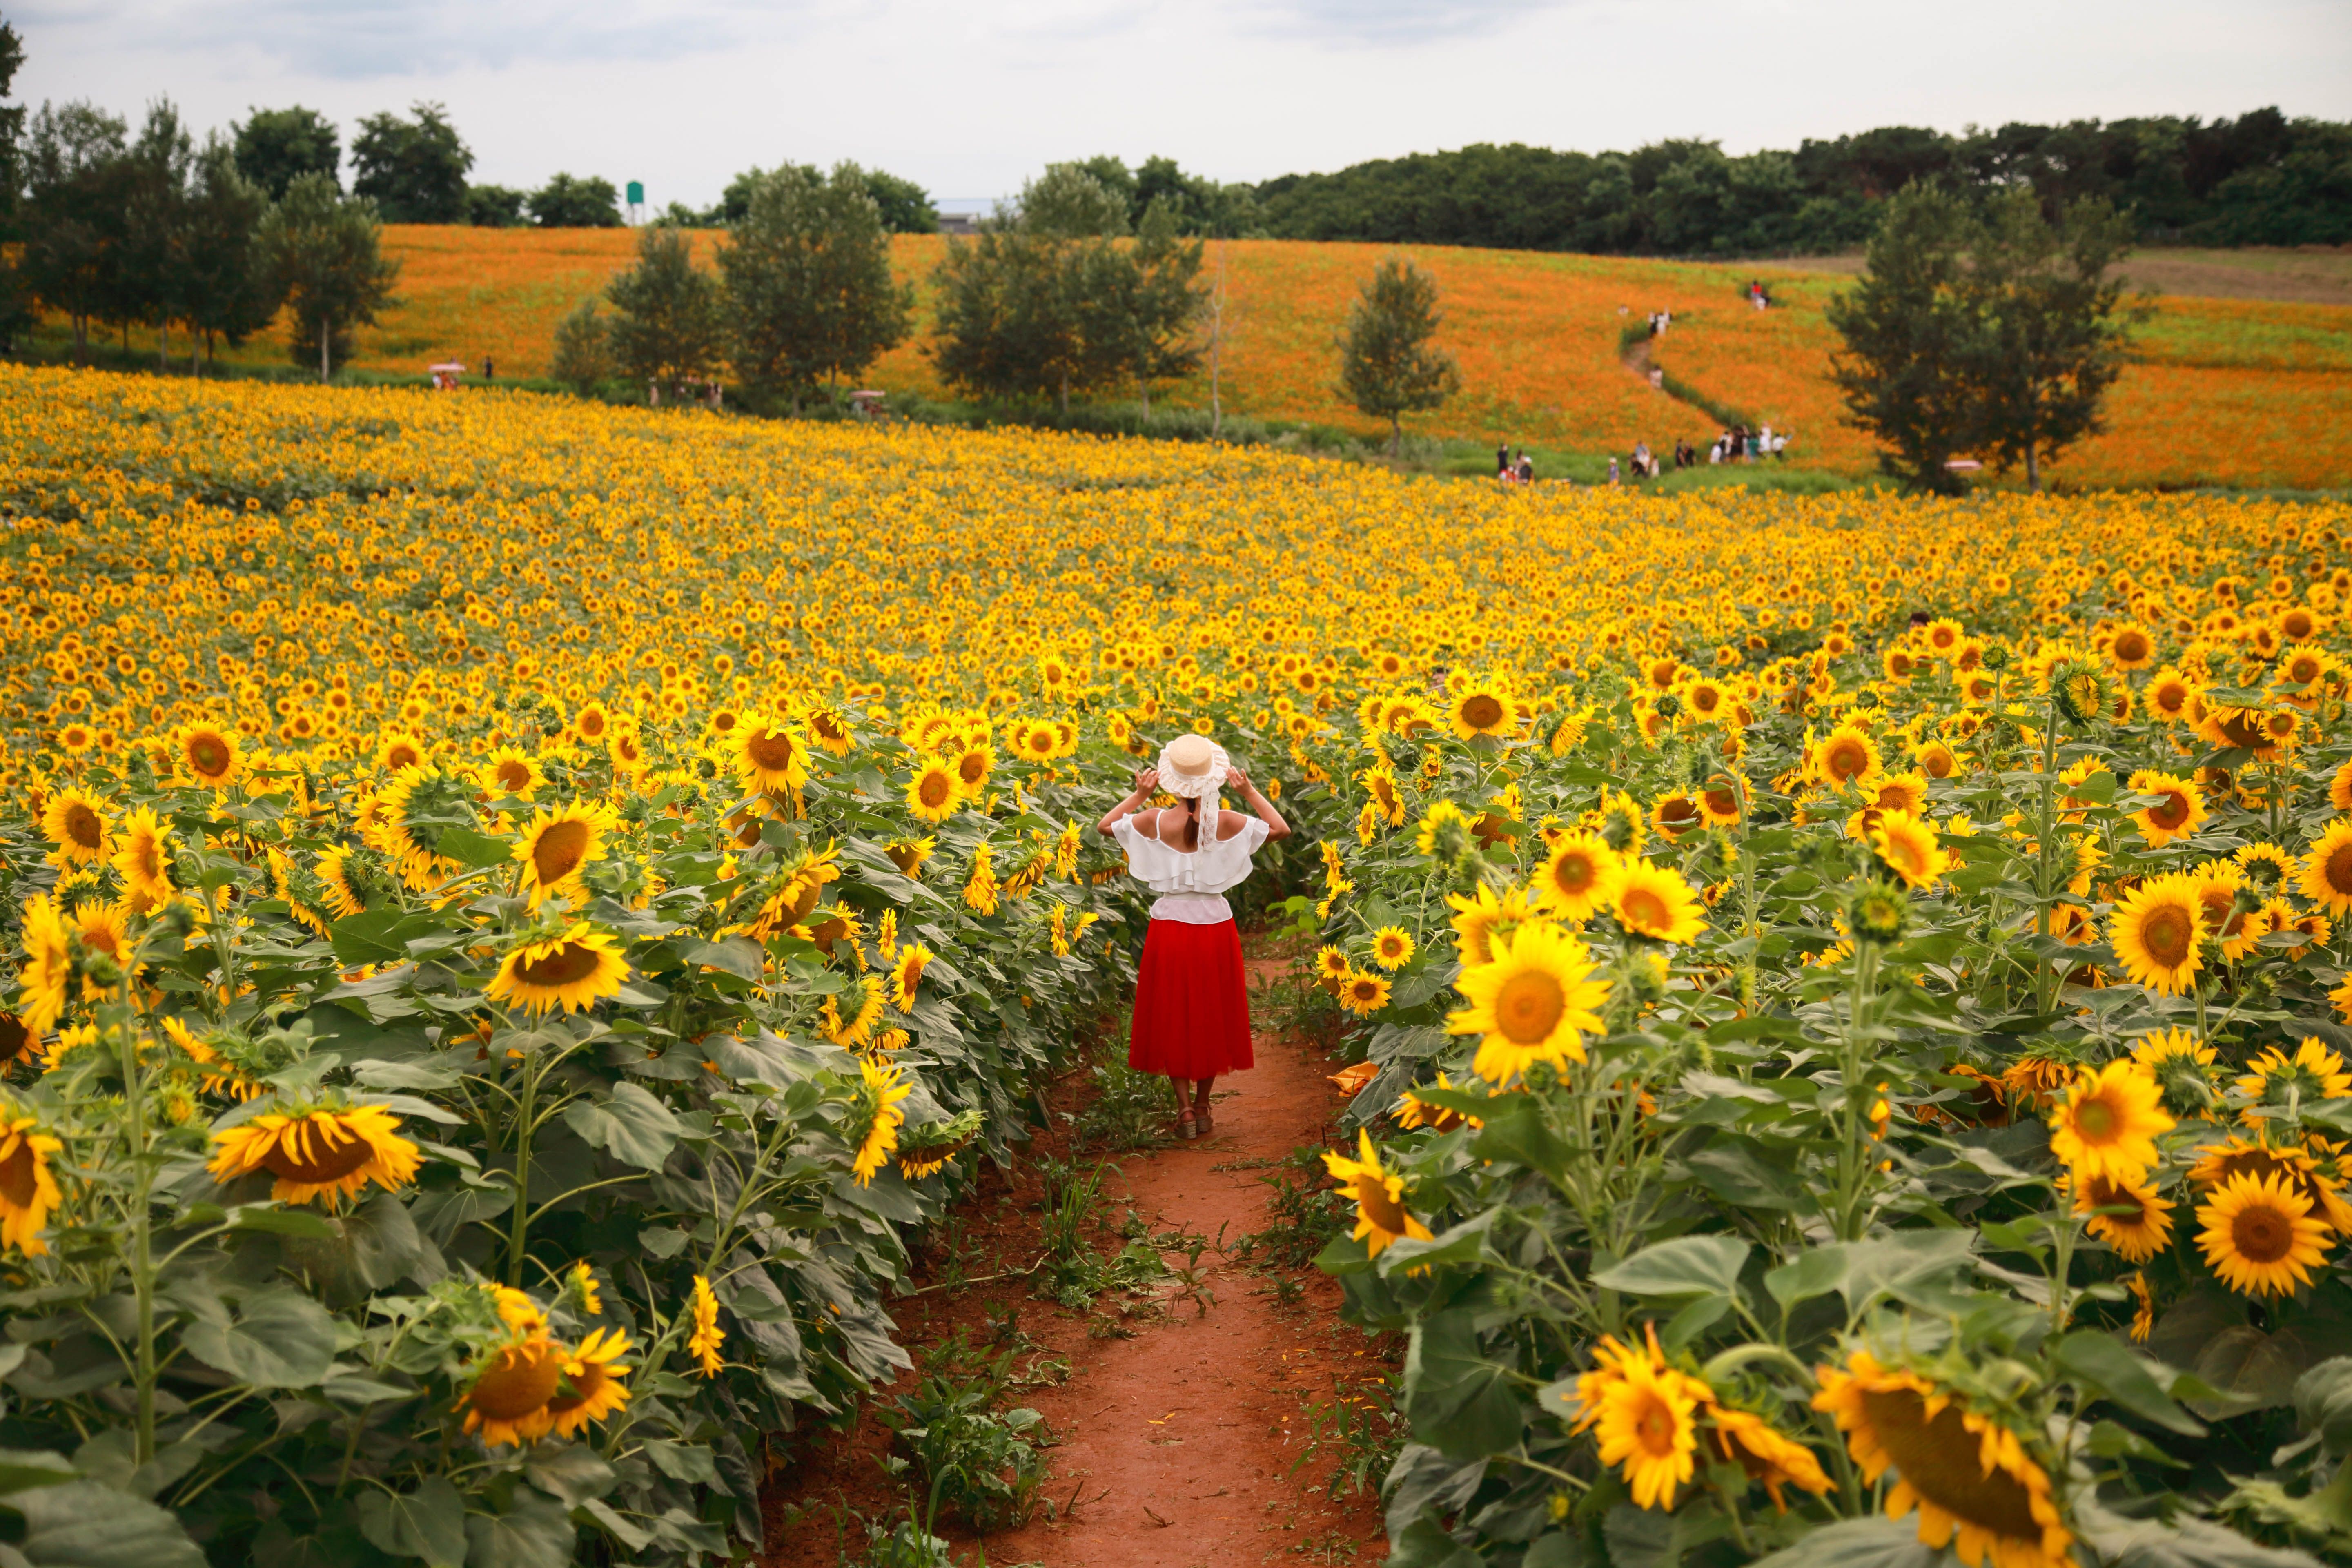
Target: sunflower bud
[[1995, 658], [1668, 705], [1876, 912], [2080, 690]]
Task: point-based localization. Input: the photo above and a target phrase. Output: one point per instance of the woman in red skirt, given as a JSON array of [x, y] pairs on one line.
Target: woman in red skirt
[[1191, 1004]]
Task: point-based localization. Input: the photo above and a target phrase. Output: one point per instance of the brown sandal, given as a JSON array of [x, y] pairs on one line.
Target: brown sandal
[[1186, 1127], [1203, 1119]]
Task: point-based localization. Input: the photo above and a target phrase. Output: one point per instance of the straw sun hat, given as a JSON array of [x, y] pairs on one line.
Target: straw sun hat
[[1193, 766]]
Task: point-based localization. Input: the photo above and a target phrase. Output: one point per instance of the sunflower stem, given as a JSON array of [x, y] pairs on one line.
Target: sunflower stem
[[142, 1260]]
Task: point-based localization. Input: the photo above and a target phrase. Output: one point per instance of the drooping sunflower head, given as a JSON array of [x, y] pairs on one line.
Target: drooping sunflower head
[[29, 1188], [1381, 1217], [573, 970], [142, 857], [874, 1116], [328, 1150], [592, 1385], [512, 1387]]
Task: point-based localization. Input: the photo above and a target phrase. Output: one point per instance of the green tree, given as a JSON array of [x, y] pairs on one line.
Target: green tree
[[810, 293], [1387, 366], [228, 290], [413, 170], [1910, 335], [668, 323], [149, 283], [583, 351], [15, 301], [78, 188], [2053, 325], [322, 250], [906, 206], [276, 145], [566, 202], [495, 206]]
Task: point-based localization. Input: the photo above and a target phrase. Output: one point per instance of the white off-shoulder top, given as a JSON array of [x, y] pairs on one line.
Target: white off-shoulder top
[[1190, 886]]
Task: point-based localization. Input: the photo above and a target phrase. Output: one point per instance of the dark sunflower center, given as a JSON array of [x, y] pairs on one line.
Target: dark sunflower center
[[936, 788], [18, 1185], [2130, 648], [1938, 1457], [1654, 1428], [972, 767], [1644, 910], [1482, 712], [519, 1382], [327, 1160], [1845, 762], [2262, 1233], [1372, 1197], [2338, 869], [2165, 935], [208, 754], [567, 965], [559, 851], [1529, 1007], [513, 776], [1574, 874], [401, 756], [770, 750], [2171, 812]]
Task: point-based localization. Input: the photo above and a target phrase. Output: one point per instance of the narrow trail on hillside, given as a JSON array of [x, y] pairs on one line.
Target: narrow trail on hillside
[[1176, 1432], [1180, 1442]]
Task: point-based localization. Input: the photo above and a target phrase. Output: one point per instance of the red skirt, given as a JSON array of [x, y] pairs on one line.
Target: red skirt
[[1191, 1004]]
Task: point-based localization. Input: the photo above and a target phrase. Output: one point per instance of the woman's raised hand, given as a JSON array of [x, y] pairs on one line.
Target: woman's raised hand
[[1238, 779], [1147, 783]]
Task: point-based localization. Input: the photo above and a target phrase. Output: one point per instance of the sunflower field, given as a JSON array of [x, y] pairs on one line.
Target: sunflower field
[[518, 913]]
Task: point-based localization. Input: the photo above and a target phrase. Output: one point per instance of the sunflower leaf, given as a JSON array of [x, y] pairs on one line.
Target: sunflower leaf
[[630, 1125], [2099, 1360], [1687, 1265]]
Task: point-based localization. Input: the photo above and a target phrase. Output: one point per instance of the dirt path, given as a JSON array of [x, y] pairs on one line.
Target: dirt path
[[1177, 1443]]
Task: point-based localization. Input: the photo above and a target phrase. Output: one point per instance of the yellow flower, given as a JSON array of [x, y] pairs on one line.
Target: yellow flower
[[707, 1337], [934, 792], [880, 1090], [1478, 919], [507, 1400], [559, 846], [1382, 1218], [2177, 813], [770, 754], [1392, 947], [1482, 708], [48, 965], [29, 1189], [2314, 1072], [1771, 1457], [2157, 930], [2259, 1236], [2108, 1124], [1531, 1002], [208, 755], [1966, 1474], [2140, 1231], [573, 972], [1363, 993], [1908, 848], [329, 1152], [2327, 868], [143, 856], [593, 1388], [1579, 876], [1647, 1423], [1649, 900], [76, 823], [1843, 755], [907, 973]]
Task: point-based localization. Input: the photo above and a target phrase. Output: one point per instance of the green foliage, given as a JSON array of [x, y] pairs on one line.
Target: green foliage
[[414, 169], [1126, 1110], [567, 201], [1306, 1211], [275, 147], [1387, 367], [906, 207], [669, 320], [970, 1461], [495, 206], [322, 250], [809, 294]]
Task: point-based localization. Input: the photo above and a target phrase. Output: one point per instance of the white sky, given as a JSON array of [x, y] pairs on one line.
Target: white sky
[[970, 98]]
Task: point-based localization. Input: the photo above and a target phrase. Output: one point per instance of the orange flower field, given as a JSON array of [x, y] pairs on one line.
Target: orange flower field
[[2230, 392]]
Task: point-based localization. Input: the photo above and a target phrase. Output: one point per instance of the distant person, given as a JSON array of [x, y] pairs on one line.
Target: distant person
[[1613, 470], [489, 368], [1722, 443], [1645, 467], [1502, 462], [1665, 320], [1764, 441], [1779, 446], [1526, 469]]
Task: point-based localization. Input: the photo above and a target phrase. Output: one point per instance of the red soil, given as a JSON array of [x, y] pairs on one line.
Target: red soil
[[1177, 1443]]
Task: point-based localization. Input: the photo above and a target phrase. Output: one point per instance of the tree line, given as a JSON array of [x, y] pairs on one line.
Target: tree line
[[2258, 179]]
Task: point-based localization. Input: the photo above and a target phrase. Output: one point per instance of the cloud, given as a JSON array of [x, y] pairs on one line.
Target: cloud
[[1392, 23]]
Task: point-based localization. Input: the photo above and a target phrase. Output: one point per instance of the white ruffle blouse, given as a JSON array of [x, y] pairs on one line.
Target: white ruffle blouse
[[1190, 886]]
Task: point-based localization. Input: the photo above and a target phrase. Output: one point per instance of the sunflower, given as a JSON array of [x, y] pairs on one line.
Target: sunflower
[[103, 927], [2259, 1236], [2176, 815], [707, 1336], [1445, 831], [1381, 1217], [331, 1150], [1575, 879], [2327, 868], [2170, 695], [1412, 1111], [1479, 918], [28, 1191], [1392, 947], [1648, 1421], [558, 847], [935, 792], [2109, 1121], [1531, 1002], [907, 973], [143, 856], [1650, 900], [970, 766], [881, 1088], [207, 755], [2183, 1069], [76, 823], [507, 1401], [1771, 1457], [400, 750], [770, 754], [334, 869], [1674, 814], [2157, 930], [1965, 1473], [511, 773], [1482, 708], [573, 970], [593, 1388], [2275, 1079], [910, 853], [2131, 648], [855, 1031], [1619, 823], [1907, 847], [1844, 754], [1331, 965], [2137, 1224], [830, 730], [1363, 993], [49, 964]]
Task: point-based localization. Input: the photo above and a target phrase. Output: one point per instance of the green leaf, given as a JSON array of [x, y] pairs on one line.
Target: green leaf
[[1462, 1244], [533, 1532], [306, 1223], [683, 1461], [279, 1338], [1560, 1550], [2110, 1440], [378, 936], [1687, 1265], [2185, 1543], [427, 1524], [2098, 1358], [1860, 1543], [1460, 1401], [473, 849], [1515, 1132], [1426, 1544], [86, 1525], [737, 955], [2323, 1402], [572, 1473], [630, 1125], [1816, 1272], [21, 1468]]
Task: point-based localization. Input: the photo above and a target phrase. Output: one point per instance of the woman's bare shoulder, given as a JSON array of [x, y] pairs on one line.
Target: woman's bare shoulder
[[1146, 821]]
